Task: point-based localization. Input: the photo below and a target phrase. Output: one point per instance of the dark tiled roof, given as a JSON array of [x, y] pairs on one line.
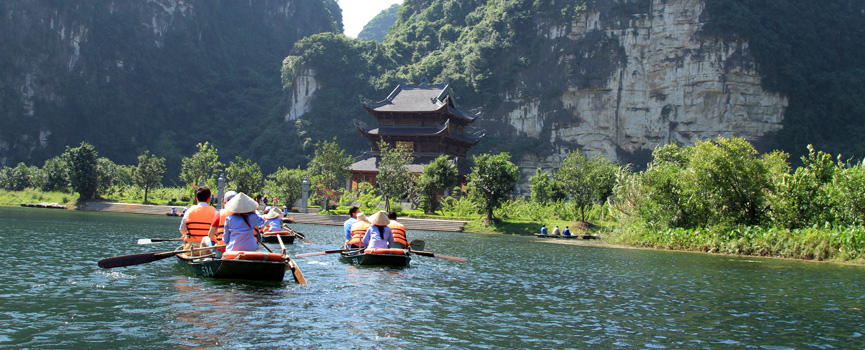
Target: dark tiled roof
[[419, 98], [418, 131]]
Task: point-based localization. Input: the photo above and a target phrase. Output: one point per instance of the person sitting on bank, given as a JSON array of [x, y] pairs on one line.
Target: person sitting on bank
[[217, 226], [240, 227], [398, 230], [196, 220], [357, 231], [544, 229], [556, 230], [173, 211], [378, 235], [272, 220], [566, 232], [352, 219]]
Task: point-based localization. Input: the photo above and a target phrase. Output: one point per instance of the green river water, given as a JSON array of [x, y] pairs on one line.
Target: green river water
[[514, 292]]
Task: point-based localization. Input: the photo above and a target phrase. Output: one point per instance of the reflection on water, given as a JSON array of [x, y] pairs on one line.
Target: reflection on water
[[514, 292]]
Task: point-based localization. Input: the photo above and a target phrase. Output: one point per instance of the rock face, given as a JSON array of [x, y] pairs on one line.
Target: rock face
[[87, 70], [665, 82]]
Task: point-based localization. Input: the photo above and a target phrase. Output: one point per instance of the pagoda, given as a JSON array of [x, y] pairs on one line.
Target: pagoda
[[422, 117]]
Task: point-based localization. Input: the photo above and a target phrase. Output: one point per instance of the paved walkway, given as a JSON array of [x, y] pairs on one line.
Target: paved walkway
[[336, 220]]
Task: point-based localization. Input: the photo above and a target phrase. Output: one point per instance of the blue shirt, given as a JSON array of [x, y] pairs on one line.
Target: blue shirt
[[566, 232], [346, 226], [275, 224], [544, 230], [372, 238], [239, 234]]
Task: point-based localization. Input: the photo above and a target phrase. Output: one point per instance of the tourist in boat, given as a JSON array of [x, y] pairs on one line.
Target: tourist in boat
[[566, 232], [378, 235], [217, 226], [240, 233], [544, 229], [398, 230], [556, 230], [272, 220], [196, 220], [173, 211], [352, 219], [357, 231]]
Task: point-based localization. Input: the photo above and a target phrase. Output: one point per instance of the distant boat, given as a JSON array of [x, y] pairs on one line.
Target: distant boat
[[44, 205]]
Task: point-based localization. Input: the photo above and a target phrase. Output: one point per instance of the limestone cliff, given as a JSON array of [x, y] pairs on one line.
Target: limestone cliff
[[133, 75]]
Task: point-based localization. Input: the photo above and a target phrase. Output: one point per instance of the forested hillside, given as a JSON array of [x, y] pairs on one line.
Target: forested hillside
[[158, 75], [616, 77], [377, 27]]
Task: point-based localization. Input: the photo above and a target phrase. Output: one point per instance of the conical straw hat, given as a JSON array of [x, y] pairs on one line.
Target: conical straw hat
[[241, 203], [379, 219]]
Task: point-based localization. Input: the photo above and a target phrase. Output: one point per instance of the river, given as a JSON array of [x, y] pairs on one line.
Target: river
[[513, 292]]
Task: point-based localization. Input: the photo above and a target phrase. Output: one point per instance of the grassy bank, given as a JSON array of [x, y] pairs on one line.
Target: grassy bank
[[14, 198]]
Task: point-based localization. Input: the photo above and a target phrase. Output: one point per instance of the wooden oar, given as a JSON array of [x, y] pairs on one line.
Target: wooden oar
[[153, 240], [136, 259], [305, 240], [454, 258], [322, 253], [295, 268]]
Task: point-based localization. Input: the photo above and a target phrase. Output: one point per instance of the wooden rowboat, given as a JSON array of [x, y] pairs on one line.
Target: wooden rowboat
[[563, 236], [377, 257], [270, 237], [269, 268]]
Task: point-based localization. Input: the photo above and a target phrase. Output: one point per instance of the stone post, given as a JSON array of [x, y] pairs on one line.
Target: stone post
[[304, 188], [220, 184]]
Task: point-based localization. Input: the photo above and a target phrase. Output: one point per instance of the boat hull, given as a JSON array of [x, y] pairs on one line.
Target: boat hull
[[286, 239], [234, 269], [363, 259]]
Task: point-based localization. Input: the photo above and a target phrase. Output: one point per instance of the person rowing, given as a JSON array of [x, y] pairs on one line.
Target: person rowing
[[196, 220], [273, 220], [378, 235], [357, 232], [217, 226], [398, 230], [240, 233]]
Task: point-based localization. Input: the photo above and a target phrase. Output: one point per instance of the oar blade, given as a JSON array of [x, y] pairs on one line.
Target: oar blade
[[145, 241], [298, 275], [446, 257], [417, 244], [129, 260]]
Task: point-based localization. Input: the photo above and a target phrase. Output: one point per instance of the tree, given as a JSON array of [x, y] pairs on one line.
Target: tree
[[17, 178], [541, 186], [394, 178], [492, 180], [245, 176], [285, 184], [149, 172], [587, 181], [329, 167], [83, 175], [55, 175], [201, 166], [438, 175], [106, 172]]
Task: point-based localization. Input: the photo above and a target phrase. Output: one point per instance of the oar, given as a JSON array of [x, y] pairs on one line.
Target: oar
[[295, 268], [305, 240], [439, 256], [154, 240], [136, 259], [321, 253]]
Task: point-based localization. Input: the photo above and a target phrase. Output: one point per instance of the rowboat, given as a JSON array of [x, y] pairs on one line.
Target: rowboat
[[270, 237], [392, 257], [256, 266], [558, 236]]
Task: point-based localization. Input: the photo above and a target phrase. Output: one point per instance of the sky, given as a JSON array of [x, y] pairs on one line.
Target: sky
[[356, 13]]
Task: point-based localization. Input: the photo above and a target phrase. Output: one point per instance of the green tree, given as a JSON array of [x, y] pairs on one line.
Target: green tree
[[245, 176], [106, 172], [492, 180], [55, 175], [329, 167], [587, 181], [438, 175], [17, 178], [149, 172], [394, 178], [541, 186], [203, 165], [83, 175], [285, 184]]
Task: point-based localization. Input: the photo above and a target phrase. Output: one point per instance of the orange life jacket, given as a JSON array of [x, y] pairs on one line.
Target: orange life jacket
[[221, 228], [398, 231], [357, 231], [198, 220]]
